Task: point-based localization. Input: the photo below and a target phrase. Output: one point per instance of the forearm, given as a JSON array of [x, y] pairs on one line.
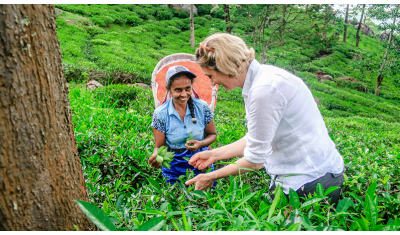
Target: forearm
[[234, 169], [209, 139], [231, 150]]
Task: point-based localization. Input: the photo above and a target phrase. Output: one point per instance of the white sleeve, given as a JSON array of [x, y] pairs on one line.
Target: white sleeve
[[266, 106]]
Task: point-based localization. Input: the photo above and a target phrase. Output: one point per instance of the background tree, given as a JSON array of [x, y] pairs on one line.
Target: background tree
[[345, 23], [192, 41], [389, 62], [227, 10], [40, 170], [359, 26]]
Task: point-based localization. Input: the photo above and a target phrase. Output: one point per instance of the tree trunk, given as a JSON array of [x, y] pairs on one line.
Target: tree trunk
[[345, 21], [359, 27], [227, 18], [378, 83], [380, 77], [192, 42], [283, 22], [40, 170]]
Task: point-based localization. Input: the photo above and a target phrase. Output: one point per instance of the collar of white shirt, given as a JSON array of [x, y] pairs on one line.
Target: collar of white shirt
[[251, 73]]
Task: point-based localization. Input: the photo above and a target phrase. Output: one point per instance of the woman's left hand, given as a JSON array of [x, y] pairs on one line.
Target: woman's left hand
[[195, 145]]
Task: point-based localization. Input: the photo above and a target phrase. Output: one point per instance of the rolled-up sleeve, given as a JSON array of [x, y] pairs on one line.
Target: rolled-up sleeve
[[159, 121], [265, 109]]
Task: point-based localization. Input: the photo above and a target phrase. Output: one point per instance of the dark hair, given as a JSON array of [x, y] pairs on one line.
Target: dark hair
[[190, 101]]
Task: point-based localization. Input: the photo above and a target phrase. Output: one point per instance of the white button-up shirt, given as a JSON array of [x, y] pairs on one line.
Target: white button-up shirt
[[286, 131]]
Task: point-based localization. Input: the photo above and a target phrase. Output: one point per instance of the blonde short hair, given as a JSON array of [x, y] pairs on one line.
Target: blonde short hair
[[224, 53]]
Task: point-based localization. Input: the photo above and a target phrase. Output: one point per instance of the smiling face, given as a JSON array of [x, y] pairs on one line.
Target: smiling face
[[181, 90], [219, 78]]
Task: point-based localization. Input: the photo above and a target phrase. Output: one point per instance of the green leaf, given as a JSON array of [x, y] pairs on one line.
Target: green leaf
[[291, 175], [371, 189], [166, 164], [184, 220], [362, 223], [278, 191], [76, 227], [294, 227], [154, 184], [386, 179], [294, 199], [239, 222], [160, 150], [270, 227], [199, 193], [172, 213], [186, 158], [119, 202], [343, 205], [151, 212], [252, 215], [97, 216], [245, 199], [154, 224], [105, 206], [371, 210], [320, 190], [245, 168], [331, 189], [164, 206], [312, 201], [357, 198]]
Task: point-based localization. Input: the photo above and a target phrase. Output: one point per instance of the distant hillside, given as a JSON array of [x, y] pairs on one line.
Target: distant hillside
[[123, 43]]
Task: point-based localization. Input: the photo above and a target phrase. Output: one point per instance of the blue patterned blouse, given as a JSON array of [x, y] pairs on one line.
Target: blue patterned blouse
[[166, 119]]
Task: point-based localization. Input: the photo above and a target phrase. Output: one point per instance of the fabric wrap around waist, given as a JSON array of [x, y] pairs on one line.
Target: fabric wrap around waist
[[179, 165]]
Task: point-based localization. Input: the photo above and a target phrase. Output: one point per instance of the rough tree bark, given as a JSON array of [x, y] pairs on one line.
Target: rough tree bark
[[40, 170], [345, 21], [359, 27], [192, 42]]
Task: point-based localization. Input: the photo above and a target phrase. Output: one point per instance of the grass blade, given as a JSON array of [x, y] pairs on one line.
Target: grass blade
[[245, 199], [275, 202], [154, 224]]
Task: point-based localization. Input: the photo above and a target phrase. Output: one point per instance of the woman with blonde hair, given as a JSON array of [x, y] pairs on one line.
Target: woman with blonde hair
[[286, 132]]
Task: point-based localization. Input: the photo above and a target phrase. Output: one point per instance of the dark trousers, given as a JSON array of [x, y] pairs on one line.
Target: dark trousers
[[327, 181]]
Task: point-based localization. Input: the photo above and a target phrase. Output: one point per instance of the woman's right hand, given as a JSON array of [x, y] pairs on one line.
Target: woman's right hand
[[153, 162], [202, 160]]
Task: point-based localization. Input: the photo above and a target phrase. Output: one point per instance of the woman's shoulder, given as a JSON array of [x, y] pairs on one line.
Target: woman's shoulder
[[199, 102], [163, 109]]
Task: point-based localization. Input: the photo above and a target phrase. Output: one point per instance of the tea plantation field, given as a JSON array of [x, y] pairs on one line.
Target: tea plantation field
[[114, 136], [114, 142]]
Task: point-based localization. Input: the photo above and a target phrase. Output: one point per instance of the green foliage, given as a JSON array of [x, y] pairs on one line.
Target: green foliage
[[118, 95], [114, 136], [203, 9]]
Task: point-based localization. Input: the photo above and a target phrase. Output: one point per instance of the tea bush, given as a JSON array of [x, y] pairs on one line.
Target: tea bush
[[113, 144], [116, 94], [122, 43]]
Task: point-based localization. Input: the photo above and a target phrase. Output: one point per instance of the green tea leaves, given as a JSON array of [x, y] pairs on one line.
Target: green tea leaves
[[97, 216]]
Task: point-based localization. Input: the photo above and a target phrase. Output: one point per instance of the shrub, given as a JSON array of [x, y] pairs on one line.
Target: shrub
[[203, 9], [116, 94], [100, 42], [102, 21], [208, 17], [164, 14], [72, 72], [93, 30], [134, 20]]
